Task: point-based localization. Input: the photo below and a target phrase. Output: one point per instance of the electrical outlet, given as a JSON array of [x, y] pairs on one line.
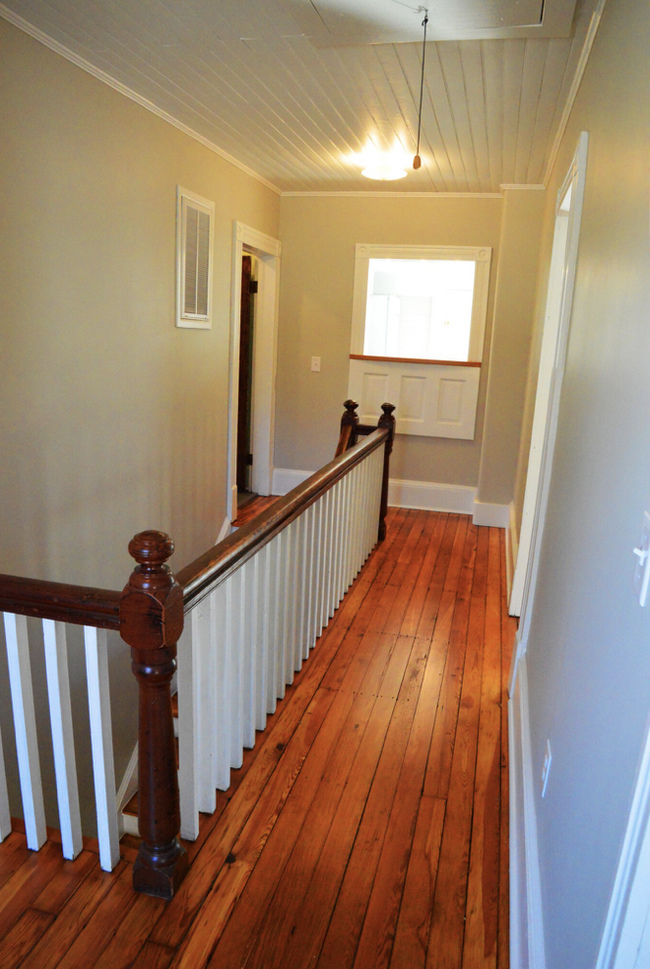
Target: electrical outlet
[[546, 767], [642, 568], [315, 364]]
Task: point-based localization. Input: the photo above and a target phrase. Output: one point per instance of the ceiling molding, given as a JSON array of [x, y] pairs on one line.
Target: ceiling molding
[[81, 62], [399, 195], [520, 188], [577, 79]]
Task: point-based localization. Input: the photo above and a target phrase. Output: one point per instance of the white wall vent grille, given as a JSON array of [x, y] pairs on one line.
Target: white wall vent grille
[[194, 234]]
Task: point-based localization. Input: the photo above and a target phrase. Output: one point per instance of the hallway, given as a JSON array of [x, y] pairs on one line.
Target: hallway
[[369, 825]]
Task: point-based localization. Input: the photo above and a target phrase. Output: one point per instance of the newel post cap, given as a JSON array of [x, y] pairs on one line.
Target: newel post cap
[[151, 607]]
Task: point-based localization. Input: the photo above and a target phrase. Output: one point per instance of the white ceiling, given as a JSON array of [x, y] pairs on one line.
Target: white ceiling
[[294, 89]]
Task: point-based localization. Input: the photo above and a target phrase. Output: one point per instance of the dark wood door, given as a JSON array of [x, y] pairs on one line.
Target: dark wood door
[[244, 456]]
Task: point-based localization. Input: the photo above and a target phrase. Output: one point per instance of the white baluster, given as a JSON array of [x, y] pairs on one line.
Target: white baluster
[[101, 741], [272, 625], [5, 814], [333, 542], [261, 634], [223, 696], [327, 556], [233, 633], [287, 596], [305, 606], [317, 572], [65, 768], [280, 598], [294, 657], [188, 730], [248, 626], [22, 699]]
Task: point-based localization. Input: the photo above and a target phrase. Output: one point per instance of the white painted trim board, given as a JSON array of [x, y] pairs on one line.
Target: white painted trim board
[[526, 913], [422, 495]]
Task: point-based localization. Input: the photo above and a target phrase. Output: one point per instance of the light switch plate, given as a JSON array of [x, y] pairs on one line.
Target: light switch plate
[[315, 364], [642, 568]]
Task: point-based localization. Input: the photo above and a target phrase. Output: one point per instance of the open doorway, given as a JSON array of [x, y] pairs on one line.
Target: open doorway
[[549, 386], [259, 359], [245, 383]]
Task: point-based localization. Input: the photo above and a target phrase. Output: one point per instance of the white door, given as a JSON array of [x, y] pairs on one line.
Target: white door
[[551, 371]]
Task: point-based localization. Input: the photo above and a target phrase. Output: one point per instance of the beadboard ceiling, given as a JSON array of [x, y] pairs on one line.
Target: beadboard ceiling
[[294, 90]]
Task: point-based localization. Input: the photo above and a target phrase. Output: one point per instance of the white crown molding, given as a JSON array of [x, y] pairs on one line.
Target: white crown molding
[[394, 195], [521, 188], [81, 62], [577, 79]]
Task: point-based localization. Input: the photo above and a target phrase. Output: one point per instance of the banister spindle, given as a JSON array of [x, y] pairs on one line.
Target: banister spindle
[[151, 621], [388, 421]]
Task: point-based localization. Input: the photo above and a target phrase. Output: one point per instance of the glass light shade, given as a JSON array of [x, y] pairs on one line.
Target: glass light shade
[[384, 171]]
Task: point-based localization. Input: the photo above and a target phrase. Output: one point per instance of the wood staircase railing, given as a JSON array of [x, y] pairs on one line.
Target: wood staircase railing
[[254, 604]]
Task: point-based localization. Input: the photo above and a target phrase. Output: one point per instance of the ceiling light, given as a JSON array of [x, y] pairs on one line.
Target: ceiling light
[[384, 171], [383, 166]]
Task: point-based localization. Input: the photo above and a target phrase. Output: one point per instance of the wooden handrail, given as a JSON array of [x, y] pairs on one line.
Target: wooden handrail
[[78, 604], [197, 577]]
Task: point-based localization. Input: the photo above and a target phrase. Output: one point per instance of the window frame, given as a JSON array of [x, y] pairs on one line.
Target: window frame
[[481, 255]]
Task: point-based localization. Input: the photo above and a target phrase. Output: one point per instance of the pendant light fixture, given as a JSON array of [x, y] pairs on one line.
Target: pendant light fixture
[[417, 161]]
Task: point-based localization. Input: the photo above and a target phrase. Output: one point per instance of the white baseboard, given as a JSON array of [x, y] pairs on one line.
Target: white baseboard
[[485, 513], [429, 496], [512, 546], [526, 918], [286, 479]]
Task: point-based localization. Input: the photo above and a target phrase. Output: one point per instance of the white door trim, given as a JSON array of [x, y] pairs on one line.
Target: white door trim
[[549, 388], [265, 344], [629, 904]]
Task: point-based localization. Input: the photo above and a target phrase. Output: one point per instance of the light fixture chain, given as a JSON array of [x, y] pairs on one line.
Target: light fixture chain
[[417, 160]]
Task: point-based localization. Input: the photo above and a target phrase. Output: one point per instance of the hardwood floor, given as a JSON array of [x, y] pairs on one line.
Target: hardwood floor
[[252, 507], [369, 826]]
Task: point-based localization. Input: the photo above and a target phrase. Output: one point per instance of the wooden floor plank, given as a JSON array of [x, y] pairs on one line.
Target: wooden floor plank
[[61, 934], [304, 943], [19, 891], [66, 881], [343, 934], [13, 852], [379, 927], [247, 922], [368, 827], [22, 938], [412, 932], [234, 858], [445, 949], [453, 624], [481, 920]]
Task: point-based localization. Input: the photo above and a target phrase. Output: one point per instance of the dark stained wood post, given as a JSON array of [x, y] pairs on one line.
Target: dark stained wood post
[[151, 621], [350, 419], [386, 420]]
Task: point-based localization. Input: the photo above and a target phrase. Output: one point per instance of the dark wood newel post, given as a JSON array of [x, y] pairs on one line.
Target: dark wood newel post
[[151, 621], [350, 419], [386, 420]]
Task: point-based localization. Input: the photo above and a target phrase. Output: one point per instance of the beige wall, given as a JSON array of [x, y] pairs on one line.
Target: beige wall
[[318, 238], [112, 419], [514, 304], [588, 656]]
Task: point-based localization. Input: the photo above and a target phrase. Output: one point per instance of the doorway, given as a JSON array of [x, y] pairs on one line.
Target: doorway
[[245, 383], [555, 337], [265, 255]]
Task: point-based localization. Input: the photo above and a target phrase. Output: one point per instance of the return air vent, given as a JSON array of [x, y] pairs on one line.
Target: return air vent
[[194, 260]]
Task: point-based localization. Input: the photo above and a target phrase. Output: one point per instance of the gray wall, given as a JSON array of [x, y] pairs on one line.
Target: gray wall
[[589, 645]]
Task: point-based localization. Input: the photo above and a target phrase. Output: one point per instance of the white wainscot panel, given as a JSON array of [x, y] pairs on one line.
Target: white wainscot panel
[[432, 400]]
